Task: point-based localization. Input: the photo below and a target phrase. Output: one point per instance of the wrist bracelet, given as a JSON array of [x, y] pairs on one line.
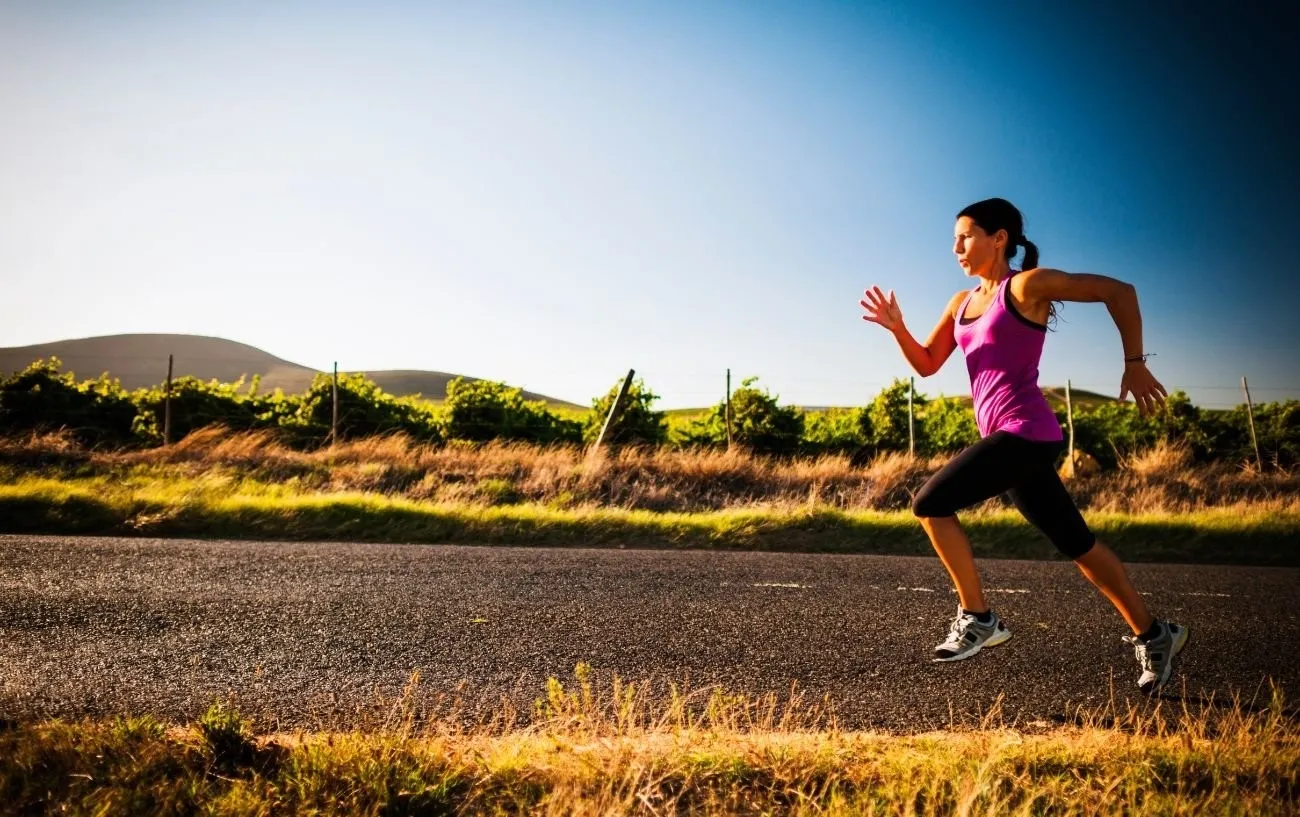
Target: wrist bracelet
[[1139, 358]]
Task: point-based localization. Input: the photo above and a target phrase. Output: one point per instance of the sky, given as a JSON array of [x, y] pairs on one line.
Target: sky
[[549, 194]]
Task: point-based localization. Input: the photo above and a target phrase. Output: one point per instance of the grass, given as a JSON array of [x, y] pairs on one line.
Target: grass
[[217, 505], [1159, 507], [629, 748], [1162, 480], [617, 749]]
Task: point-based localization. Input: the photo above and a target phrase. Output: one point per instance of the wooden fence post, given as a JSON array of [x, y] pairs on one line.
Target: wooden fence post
[[334, 416], [1069, 419], [728, 409], [911, 431], [167, 405], [615, 409], [1250, 415]]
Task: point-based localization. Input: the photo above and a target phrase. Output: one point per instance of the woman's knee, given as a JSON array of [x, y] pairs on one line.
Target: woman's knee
[[926, 505], [1077, 547]]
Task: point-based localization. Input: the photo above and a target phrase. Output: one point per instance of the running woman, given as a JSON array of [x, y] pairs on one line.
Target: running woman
[[1000, 326]]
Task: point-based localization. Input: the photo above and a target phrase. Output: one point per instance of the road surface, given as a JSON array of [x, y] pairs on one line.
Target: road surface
[[325, 635]]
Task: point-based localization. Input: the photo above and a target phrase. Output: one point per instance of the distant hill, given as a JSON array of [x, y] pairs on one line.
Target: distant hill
[[140, 361], [1079, 397], [1055, 395]]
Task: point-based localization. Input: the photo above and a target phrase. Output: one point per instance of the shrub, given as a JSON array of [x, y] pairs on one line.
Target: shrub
[[636, 424], [481, 410]]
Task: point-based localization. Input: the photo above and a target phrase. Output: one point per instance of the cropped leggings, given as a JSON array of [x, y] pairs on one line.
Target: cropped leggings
[[1024, 470]]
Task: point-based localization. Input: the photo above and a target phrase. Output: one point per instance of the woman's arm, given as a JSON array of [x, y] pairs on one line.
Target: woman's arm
[[924, 359], [1039, 285]]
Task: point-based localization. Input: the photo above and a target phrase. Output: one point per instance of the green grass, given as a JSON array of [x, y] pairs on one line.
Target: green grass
[[688, 413], [616, 750], [226, 506]]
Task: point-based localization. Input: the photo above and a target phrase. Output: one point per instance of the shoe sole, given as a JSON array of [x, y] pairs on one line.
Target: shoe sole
[[999, 637], [1179, 643]]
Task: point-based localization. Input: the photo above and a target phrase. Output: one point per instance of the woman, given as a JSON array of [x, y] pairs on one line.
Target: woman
[[1000, 326]]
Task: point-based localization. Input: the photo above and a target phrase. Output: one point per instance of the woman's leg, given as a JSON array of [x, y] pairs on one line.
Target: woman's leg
[[1104, 569], [1045, 502], [950, 542], [988, 468]]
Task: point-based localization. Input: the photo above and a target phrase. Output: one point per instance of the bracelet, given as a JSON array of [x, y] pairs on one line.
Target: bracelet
[[1139, 358]]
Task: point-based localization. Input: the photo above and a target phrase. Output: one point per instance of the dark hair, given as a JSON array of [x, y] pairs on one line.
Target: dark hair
[[999, 214]]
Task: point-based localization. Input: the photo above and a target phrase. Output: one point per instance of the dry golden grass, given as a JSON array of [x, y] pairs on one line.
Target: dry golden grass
[[613, 748], [1163, 458], [1163, 479]]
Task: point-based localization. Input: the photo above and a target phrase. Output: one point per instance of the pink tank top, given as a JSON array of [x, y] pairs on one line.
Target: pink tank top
[[1002, 349]]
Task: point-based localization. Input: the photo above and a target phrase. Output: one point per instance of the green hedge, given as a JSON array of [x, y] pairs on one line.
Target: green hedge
[[101, 413]]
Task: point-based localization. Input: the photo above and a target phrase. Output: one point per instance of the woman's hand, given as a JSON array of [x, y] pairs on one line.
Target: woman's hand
[[1147, 391], [881, 309]]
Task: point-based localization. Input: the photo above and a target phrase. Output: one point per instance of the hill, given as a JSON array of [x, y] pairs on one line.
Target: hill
[[1055, 395], [140, 361], [1079, 397]]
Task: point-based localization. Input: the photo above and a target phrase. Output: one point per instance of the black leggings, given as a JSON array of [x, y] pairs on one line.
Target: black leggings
[[1024, 470]]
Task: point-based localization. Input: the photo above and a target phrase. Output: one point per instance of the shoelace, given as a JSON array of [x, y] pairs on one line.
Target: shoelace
[[958, 628], [1143, 657]]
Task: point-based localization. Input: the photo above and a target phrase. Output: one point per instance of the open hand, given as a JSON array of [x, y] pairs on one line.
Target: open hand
[[882, 309], [1147, 391]]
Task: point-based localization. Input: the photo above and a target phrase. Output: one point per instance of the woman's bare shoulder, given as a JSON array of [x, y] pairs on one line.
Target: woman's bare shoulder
[[954, 303]]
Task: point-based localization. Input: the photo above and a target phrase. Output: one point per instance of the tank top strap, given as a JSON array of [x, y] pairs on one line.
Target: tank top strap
[[1001, 297], [960, 315], [999, 300]]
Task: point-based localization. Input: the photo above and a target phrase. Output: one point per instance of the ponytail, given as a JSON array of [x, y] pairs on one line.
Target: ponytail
[[1030, 261]]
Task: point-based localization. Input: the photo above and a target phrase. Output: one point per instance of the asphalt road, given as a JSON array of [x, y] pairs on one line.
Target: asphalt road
[[326, 635]]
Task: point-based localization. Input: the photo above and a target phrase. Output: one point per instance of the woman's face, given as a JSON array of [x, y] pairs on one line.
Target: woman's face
[[977, 252]]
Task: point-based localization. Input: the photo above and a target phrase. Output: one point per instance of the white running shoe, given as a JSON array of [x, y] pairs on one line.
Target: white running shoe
[[968, 635], [1156, 656]]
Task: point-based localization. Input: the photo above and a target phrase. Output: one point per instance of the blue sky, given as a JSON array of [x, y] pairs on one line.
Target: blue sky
[[549, 194]]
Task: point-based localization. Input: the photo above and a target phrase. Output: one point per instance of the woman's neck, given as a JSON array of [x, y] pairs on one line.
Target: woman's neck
[[995, 275]]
